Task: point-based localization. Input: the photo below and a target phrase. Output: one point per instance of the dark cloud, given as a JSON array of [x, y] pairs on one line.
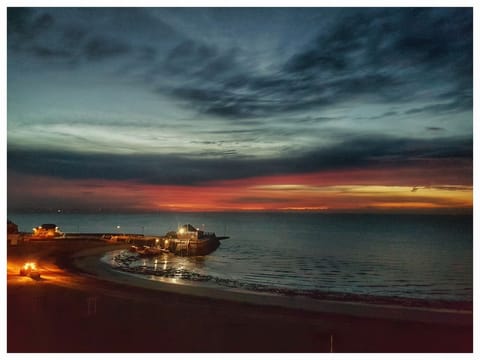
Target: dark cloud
[[389, 113], [46, 52], [100, 48], [18, 20], [189, 56], [80, 35], [379, 55], [461, 103], [25, 24], [174, 169], [330, 52], [384, 115]]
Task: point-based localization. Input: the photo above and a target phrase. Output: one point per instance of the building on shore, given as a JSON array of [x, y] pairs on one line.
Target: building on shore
[[189, 232], [12, 228], [47, 231], [13, 236]]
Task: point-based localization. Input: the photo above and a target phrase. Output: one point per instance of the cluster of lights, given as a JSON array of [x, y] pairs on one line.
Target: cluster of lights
[[30, 266], [40, 228]]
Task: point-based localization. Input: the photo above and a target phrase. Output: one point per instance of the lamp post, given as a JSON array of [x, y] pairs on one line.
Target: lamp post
[[118, 228]]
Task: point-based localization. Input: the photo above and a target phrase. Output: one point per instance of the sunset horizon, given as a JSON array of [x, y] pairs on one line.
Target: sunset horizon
[[211, 119]]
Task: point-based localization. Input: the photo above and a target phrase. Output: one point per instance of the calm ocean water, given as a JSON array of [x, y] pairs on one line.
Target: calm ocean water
[[426, 257]]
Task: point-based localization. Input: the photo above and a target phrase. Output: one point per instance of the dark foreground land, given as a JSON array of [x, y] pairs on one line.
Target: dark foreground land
[[67, 311]]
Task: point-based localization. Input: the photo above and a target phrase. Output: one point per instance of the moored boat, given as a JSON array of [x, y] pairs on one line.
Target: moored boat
[[147, 250]]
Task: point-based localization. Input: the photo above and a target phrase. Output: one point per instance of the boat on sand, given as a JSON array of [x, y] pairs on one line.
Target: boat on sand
[[147, 251]]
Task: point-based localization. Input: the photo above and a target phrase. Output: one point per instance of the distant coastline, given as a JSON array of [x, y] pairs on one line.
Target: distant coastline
[[461, 211]]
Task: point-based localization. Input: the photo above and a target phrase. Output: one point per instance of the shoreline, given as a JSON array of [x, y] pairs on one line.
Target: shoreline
[[441, 304], [89, 261], [107, 311]]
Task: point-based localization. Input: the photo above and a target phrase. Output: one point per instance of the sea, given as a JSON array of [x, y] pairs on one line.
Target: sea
[[378, 256]]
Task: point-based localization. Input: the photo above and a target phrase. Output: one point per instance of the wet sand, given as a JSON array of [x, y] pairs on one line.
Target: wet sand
[[82, 305]]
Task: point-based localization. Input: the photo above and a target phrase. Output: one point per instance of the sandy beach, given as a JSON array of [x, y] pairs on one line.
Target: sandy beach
[[82, 305]]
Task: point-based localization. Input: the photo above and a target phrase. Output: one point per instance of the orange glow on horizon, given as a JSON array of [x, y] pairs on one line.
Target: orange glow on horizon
[[304, 192]]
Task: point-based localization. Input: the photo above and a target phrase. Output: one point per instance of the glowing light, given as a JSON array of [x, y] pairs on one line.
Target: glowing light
[[30, 266], [181, 231]]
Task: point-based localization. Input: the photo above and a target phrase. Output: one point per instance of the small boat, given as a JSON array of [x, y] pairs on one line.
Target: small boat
[[153, 251], [148, 251]]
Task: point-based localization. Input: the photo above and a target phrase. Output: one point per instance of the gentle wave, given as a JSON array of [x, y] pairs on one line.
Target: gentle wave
[[168, 267]]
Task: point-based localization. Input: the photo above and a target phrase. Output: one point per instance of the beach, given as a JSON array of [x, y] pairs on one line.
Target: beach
[[82, 305]]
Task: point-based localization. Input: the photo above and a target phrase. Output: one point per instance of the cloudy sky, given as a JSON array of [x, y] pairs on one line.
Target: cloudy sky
[[330, 109]]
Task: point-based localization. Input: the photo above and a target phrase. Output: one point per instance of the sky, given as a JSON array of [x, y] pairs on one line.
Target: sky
[[240, 109]]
